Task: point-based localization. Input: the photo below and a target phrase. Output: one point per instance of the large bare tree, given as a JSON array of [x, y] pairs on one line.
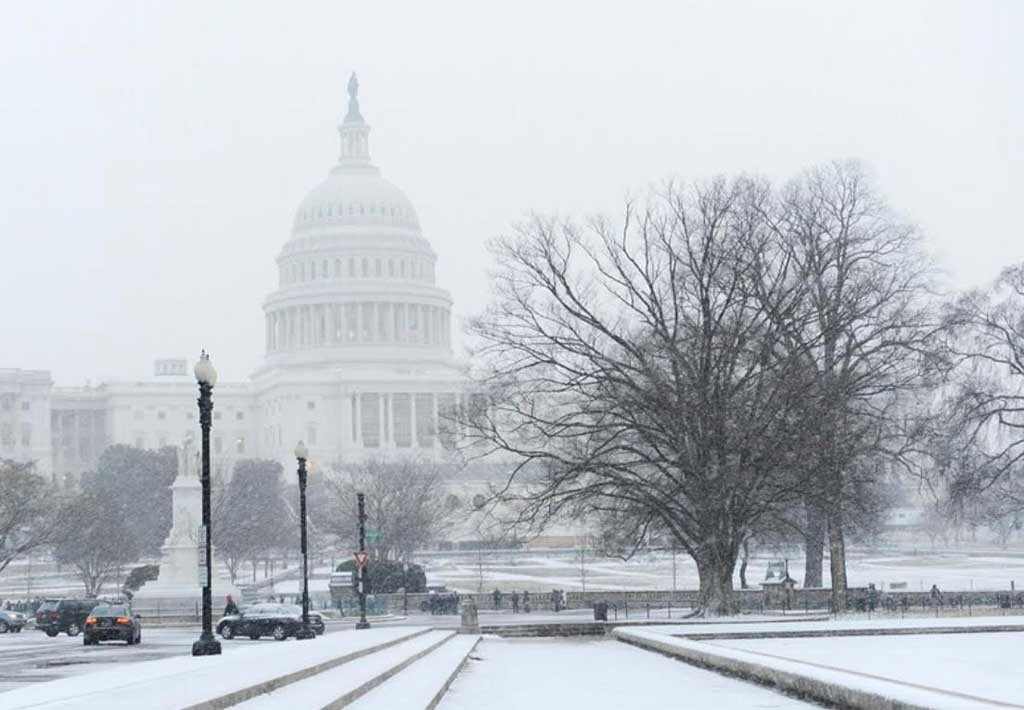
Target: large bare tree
[[633, 374]]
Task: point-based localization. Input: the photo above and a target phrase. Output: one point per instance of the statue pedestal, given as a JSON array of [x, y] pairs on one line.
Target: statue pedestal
[[178, 588]]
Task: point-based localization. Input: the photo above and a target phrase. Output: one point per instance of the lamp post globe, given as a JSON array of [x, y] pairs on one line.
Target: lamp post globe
[[206, 377], [302, 454]]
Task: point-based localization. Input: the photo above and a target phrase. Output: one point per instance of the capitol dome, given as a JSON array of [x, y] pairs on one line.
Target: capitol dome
[[356, 283], [353, 196]]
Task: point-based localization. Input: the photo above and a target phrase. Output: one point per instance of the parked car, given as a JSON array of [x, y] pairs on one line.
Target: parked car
[[13, 621], [63, 615], [112, 622], [316, 619], [277, 620]]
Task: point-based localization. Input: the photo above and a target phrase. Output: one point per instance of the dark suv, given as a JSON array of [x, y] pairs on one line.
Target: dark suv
[[63, 615]]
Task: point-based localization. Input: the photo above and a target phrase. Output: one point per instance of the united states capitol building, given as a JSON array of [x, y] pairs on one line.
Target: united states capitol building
[[358, 359]]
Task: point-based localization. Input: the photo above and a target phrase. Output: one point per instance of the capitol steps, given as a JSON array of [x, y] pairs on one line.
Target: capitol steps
[[430, 661], [422, 685]]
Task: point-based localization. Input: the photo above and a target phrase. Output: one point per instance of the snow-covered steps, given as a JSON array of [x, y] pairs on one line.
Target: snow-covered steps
[[341, 686], [421, 685], [245, 670]]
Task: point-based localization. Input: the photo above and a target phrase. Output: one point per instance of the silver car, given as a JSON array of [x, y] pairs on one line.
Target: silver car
[[13, 621]]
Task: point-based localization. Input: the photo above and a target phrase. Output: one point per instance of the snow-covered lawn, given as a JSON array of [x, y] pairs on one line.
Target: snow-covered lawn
[[951, 570], [595, 674], [980, 665]]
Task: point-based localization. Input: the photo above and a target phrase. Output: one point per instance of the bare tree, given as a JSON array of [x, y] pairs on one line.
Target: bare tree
[[635, 375], [406, 505], [95, 540], [253, 517], [862, 327], [29, 511], [985, 392]]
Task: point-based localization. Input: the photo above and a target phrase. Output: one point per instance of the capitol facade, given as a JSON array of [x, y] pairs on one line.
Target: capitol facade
[[358, 361]]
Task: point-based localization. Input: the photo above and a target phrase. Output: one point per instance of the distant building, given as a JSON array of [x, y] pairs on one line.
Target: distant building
[[358, 359]]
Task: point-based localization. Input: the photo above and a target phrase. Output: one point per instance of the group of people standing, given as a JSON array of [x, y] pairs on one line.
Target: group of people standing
[[557, 598]]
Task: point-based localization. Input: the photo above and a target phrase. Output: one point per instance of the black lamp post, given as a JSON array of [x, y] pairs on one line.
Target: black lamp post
[[302, 453], [206, 376]]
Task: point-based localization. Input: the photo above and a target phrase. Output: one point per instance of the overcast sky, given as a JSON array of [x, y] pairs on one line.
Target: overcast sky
[[152, 154]]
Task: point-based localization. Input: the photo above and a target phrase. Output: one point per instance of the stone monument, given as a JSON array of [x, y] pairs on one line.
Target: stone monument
[[179, 581]]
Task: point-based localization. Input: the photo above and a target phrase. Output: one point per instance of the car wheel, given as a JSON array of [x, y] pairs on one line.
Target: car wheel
[[130, 640], [73, 629], [4, 628], [227, 632], [18, 630], [138, 638], [51, 632], [280, 633]]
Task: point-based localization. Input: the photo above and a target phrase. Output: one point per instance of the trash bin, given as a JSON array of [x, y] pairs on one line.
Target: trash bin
[[600, 611]]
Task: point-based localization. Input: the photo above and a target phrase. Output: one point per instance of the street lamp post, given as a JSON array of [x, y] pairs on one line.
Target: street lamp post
[[302, 453], [206, 376], [363, 577]]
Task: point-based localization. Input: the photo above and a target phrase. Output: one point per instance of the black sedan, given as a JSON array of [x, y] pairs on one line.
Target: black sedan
[[277, 620], [112, 622]]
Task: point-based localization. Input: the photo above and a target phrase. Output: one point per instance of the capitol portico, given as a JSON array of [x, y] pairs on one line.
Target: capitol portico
[[358, 359]]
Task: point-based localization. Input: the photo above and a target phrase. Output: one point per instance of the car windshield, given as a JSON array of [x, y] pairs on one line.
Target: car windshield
[[47, 606], [110, 610]]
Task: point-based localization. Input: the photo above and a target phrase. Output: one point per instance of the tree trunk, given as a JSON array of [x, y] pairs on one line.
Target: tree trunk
[[814, 545], [743, 565], [837, 555], [715, 568]]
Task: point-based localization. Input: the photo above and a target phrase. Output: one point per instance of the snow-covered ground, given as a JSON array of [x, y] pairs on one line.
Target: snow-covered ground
[[981, 665], [952, 570], [535, 570], [595, 674]]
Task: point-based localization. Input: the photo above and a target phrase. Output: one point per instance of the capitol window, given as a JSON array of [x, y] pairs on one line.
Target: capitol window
[[239, 416], [25, 405], [366, 267], [391, 267], [377, 267], [351, 266], [161, 415], [337, 267]]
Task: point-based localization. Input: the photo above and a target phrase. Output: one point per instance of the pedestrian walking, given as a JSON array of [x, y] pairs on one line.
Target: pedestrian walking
[[230, 608], [496, 595], [526, 602], [515, 602]]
